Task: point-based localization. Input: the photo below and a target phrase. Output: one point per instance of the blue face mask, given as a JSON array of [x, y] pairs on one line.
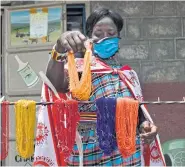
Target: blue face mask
[[106, 47]]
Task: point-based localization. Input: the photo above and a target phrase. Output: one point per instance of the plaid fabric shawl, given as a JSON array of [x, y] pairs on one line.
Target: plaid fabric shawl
[[106, 85]]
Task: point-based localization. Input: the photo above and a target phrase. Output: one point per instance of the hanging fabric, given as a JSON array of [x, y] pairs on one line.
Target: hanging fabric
[[126, 125], [46, 151], [66, 115], [25, 117], [4, 130], [80, 89], [106, 124]]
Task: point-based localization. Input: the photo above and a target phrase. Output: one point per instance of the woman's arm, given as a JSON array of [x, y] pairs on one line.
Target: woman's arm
[[56, 74], [69, 41], [141, 117]]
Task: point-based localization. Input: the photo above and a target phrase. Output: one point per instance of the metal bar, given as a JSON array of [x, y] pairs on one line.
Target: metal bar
[[90, 102], [163, 102]]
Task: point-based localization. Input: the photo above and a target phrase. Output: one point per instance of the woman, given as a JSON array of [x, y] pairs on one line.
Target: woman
[[102, 23]]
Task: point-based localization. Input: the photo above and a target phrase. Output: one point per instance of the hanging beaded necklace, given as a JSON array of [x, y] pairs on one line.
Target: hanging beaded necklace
[[126, 124], [25, 116], [106, 124], [66, 115], [80, 89], [4, 130]]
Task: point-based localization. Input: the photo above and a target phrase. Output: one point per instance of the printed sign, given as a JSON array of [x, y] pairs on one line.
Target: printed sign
[[38, 25]]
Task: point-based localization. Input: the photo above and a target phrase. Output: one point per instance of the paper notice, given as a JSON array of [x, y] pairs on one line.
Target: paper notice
[[38, 25]]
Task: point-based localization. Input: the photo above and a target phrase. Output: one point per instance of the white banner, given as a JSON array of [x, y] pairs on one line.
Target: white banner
[[38, 24]]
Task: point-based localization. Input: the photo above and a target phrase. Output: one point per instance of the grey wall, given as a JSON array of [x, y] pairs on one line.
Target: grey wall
[[153, 43], [153, 38]]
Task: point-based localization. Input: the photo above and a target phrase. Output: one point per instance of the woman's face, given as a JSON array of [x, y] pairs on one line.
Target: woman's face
[[104, 28]]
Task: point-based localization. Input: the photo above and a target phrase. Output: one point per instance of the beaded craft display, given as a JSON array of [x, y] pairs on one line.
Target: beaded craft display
[[80, 89], [106, 124], [4, 130], [66, 115], [126, 124], [25, 117]]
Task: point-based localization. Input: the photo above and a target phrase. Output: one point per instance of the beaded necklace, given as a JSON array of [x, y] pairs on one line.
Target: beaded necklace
[[25, 117], [66, 115], [106, 124], [4, 130], [126, 124], [80, 89]]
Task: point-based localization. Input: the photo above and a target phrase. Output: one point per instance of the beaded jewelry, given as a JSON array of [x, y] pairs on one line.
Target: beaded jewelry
[[106, 124], [4, 130], [66, 115], [25, 116], [80, 89], [126, 124]]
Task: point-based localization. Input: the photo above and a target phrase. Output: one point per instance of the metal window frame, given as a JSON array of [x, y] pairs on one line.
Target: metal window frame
[[2, 65], [86, 11], [14, 49], [8, 10], [83, 7]]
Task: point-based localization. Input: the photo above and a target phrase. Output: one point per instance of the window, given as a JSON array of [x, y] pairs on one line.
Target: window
[[76, 17], [1, 59]]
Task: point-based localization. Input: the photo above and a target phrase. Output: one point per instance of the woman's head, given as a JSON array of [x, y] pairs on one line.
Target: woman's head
[[103, 23]]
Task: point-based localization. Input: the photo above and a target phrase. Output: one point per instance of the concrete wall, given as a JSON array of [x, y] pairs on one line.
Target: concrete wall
[[153, 43]]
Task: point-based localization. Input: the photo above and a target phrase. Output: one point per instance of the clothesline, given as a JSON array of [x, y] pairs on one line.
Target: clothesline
[[90, 102]]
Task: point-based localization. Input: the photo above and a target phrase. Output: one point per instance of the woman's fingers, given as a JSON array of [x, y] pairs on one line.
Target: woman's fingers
[[78, 42], [149, 132], [81, 36], [72, 41], [66, 45]]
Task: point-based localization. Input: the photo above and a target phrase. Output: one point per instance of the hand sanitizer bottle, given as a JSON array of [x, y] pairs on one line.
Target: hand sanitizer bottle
[[26, 72]]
